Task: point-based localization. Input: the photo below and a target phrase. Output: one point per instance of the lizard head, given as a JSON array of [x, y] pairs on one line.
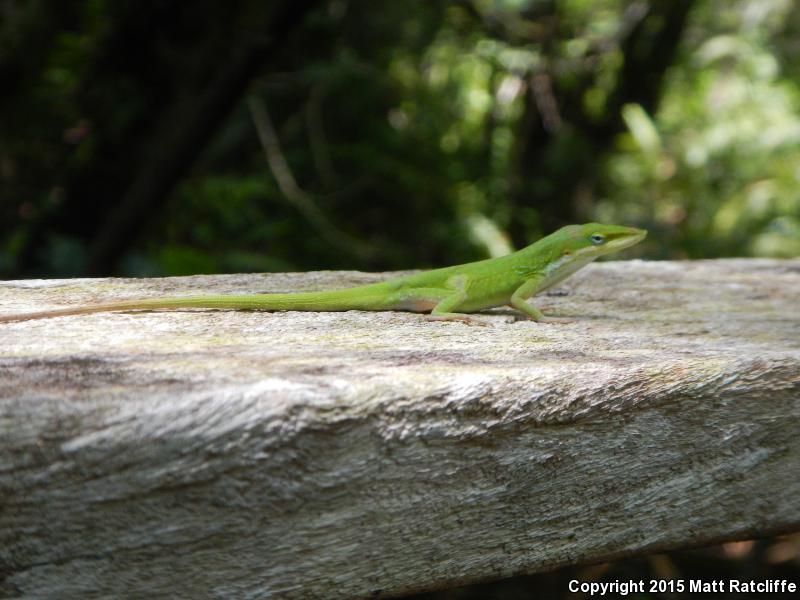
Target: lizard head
[[595, 239]]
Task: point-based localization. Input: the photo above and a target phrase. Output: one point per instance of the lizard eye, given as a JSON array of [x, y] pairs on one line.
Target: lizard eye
[[597, 238]]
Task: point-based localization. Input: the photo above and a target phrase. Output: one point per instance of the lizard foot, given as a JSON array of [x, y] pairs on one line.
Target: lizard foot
[[458, 317]]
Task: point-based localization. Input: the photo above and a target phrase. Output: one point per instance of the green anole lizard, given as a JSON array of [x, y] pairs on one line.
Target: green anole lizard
[[446, 293]]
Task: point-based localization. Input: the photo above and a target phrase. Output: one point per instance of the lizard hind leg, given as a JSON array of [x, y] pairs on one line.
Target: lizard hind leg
[[441, 302], [446, 307]]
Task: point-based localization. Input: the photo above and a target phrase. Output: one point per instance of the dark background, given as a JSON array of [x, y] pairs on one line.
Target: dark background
[[155, 137]]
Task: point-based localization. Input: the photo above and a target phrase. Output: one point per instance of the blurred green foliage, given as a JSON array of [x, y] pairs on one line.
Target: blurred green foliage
[[717, 169], [398, 135]]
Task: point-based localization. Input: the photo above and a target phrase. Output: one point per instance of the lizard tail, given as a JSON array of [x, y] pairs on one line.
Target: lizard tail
[[65, 312], [334, 300]]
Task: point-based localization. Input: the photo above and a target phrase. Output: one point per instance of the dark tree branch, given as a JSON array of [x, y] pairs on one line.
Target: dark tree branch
[[304, 202], [180, 146], [649, 50], [556, 165]]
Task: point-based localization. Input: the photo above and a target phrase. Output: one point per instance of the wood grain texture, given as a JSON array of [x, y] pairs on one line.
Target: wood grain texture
[[223, 454]]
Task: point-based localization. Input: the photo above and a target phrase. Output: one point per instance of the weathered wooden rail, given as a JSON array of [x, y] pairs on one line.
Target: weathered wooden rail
[[342, 455]]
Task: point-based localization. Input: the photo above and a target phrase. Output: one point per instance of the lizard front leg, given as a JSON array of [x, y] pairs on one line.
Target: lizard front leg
[[525, 291]]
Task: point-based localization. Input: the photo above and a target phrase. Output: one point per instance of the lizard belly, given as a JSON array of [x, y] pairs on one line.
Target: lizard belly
[[479, 298], [417, 304]]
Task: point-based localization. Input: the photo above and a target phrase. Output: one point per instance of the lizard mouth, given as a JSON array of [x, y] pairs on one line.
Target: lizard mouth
[[626, 240]]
